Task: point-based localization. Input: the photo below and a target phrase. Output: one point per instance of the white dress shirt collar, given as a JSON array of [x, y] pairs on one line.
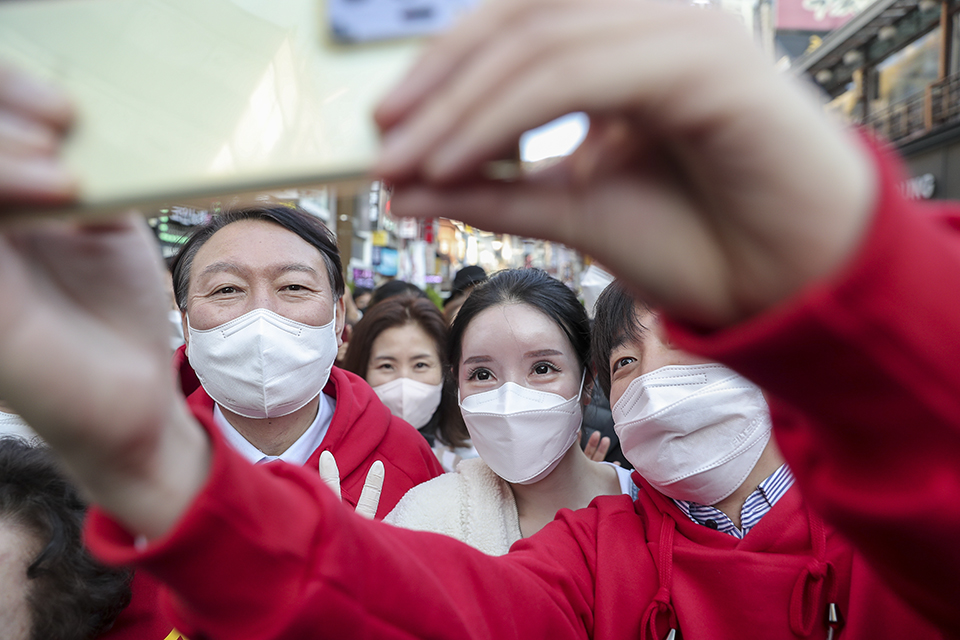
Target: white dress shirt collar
[[298, 453]]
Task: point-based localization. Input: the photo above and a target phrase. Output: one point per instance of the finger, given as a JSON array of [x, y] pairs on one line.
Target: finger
[[601, 452], [592, 442], [442, 58], [682, 94], [329, 472], [543, 92], [526, 209], [20, 135], [34, 98], [369, 500], [35, 181], [486, 74]]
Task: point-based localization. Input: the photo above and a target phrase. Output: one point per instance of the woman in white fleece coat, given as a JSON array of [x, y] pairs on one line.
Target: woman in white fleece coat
[[519, 349]]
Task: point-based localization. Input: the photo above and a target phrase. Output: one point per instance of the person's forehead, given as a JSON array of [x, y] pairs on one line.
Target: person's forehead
[[257, 244], [405, 340], [647, 329], [514, 329]]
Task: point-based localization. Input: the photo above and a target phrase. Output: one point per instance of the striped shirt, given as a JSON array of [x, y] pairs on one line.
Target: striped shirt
[[757, 505]]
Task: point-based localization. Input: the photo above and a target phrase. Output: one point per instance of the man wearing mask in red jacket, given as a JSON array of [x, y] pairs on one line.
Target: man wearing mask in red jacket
[[261, 291]]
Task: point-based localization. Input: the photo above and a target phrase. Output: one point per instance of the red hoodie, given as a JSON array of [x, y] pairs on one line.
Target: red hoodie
[[361, 431], [870, 360]]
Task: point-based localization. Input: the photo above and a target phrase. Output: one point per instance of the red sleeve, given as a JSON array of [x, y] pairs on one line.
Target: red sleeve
[[864, 377], [269, 552]]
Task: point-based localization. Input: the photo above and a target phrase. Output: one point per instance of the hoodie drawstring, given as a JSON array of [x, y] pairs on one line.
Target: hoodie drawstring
[[813, 579], [661, 606]]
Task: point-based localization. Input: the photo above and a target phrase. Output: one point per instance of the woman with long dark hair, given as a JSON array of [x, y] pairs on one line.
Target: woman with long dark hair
[[519, 349], [399, 348]]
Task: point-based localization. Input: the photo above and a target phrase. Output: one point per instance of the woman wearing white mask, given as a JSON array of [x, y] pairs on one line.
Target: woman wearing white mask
[[519, 348], [399, 348]]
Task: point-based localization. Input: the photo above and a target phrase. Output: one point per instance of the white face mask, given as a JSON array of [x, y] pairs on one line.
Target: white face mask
[[411, 400], [693, 432], [522, 433], [262, 365], [176, 329]]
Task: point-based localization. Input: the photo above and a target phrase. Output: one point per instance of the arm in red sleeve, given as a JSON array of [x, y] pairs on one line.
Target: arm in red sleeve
[[864, 378], [268, 552]]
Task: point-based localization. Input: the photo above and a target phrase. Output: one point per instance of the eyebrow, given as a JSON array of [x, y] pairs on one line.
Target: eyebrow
[[477, 359], [231, 267], [217, 267], [542, 352]]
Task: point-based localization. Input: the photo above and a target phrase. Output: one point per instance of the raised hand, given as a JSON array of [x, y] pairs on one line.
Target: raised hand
[[597, 447], [373, 484], [708, 181]]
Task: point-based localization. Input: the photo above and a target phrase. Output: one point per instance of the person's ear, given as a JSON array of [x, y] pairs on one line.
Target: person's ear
[[186, 328], [340, 316], [587, 395]]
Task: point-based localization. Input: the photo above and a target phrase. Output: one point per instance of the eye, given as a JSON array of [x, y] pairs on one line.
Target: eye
[[385, 366], [543, 368], [226, 290], [480, 374], [422, 365], [622, 362]]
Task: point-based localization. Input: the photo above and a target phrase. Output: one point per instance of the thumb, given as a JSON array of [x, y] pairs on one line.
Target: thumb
[[329, 472]]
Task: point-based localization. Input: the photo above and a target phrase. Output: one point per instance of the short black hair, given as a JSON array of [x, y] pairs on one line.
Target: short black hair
[[394, 288], [71, 596], [535, 288], [310, 228], [615, 322]]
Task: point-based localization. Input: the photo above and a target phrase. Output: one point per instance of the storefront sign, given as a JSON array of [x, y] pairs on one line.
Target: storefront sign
[[817, 15], [919, 188]]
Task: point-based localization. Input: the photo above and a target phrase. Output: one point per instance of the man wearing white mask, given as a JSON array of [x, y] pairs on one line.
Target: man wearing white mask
[[261, 295], [695, 430], [723, 500]]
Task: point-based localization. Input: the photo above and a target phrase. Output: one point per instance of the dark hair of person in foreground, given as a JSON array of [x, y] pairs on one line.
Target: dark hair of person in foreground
[[70, 595], [615, 322]]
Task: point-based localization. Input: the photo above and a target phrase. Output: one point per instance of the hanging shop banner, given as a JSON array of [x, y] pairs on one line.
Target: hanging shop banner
[[816, 15]]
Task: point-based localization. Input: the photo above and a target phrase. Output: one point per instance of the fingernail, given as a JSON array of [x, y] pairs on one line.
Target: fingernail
[[42, 176], [22, 135], [394, 152], [35, 96], [443, 163]]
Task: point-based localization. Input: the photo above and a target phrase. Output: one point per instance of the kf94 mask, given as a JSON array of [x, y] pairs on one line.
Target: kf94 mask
[[522, 433], [412, 400], [693, 432], [262, 365]]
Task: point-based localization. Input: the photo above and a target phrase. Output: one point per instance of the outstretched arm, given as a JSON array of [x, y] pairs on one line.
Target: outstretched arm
[[721, 192], [83, 348]]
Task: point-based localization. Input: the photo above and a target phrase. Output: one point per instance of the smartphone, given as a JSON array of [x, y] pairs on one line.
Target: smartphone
[[186, 101]]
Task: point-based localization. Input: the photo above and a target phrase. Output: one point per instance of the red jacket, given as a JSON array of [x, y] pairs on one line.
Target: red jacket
[[361, 431], [864, 375], [870, 360]]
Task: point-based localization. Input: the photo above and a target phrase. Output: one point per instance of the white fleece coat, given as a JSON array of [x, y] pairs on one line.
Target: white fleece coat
[[473, 505]]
